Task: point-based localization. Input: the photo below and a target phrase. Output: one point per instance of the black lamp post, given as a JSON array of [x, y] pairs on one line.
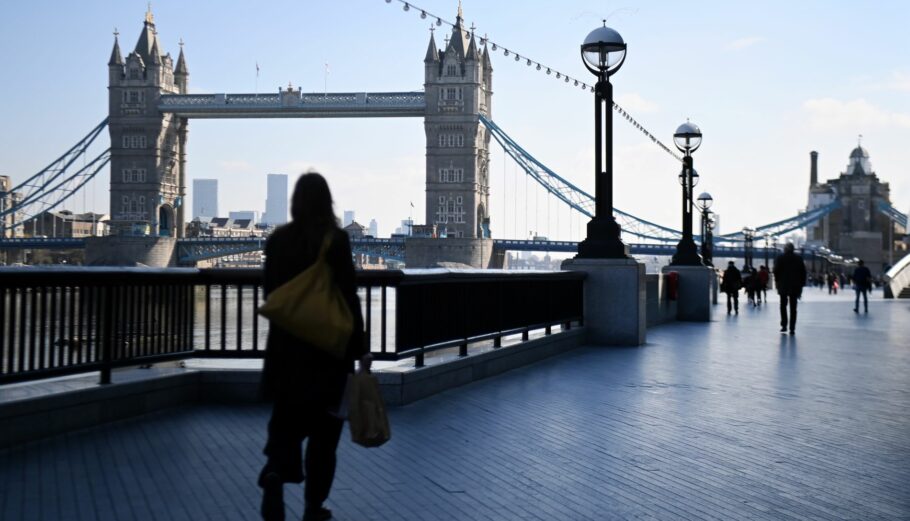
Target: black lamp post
[[767, 242], [603, 53], [704, 203], [748, 237], [687, 139]]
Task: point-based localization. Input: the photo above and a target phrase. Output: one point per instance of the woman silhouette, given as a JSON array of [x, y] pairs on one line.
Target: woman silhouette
[[305, 383]]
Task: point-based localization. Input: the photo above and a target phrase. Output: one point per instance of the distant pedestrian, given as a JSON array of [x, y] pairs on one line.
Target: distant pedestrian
[[789, 277], [831, 279], [862, 284], [305, 383], [748, 285], [764, 276], [730, 284]]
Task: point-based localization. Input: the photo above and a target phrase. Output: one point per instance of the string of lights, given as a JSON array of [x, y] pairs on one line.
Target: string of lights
[[549, 71]]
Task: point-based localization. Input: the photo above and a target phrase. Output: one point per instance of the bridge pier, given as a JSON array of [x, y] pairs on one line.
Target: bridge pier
[[615, 300], [425, 252], [126, 250], [695, 288]]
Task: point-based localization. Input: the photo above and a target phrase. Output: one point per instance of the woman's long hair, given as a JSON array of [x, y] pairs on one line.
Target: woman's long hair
[[311, 204]]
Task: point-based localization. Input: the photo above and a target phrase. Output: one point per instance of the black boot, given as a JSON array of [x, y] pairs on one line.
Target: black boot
[[272, 497], [317, 514]]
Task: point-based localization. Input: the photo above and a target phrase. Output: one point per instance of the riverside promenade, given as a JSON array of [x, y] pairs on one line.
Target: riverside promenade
[[728, 420]]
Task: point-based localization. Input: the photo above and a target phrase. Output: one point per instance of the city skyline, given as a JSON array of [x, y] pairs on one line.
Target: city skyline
[[766, 85]]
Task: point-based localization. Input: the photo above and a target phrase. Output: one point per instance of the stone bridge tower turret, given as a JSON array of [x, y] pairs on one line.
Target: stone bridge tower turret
[[147, 147], [458, 86]]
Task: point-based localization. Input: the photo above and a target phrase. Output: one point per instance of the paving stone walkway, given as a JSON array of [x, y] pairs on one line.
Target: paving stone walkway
[[728, 420]]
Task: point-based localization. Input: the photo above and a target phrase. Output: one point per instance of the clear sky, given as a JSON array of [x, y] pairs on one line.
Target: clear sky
[[766, 81]]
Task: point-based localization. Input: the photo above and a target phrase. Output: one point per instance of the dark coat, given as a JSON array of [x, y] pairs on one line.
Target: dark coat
[[862, 278], [732, 281], [294, 369], [789, 274]]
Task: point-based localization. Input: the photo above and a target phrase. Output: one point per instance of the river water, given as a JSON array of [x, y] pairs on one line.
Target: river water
[[247, 317]]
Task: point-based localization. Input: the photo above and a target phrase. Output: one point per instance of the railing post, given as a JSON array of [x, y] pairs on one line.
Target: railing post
[[418, 359], [107, 334]]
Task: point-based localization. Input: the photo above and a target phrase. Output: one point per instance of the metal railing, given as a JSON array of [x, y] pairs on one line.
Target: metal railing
[[62, 321]]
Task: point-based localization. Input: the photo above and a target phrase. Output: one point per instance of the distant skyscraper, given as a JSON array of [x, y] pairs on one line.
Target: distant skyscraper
[[252, 215], [348, 217], [205, 198], [276, 202], [374, 228]]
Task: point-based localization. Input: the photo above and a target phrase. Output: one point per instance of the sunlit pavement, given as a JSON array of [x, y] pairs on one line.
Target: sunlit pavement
[[727, 420]]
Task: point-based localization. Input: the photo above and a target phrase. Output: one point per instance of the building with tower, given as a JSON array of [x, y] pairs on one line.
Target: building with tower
[[857, 227], [458, 88], [148, 160]]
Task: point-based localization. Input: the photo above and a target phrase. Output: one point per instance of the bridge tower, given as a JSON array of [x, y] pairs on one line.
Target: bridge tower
[[458, 86], [148, 161]]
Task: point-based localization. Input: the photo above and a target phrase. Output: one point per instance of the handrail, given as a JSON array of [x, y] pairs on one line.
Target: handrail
[[898, 277], [67, 320]]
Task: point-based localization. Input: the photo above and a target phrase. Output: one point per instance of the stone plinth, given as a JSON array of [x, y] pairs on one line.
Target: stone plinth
[[615, 300], [127, 250], [694, 295], [425, 252]]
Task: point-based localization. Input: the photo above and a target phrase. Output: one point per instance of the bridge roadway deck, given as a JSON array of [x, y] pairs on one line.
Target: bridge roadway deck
[[722, 421]]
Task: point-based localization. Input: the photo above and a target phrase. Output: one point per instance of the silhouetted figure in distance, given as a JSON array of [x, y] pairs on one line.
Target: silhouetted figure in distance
[[764, 276], [731, 284], [305, 383], [789, 277], [862, 283]]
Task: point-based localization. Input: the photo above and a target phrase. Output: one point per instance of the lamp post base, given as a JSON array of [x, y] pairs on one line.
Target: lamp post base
[[686, 254], [603, 241]]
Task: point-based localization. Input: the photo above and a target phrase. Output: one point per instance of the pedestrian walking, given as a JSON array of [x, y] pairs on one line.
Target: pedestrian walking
[[304, 383], [862, 284], [789, 277], [831, 279], [764, 276], [730, 284], [749, 285]]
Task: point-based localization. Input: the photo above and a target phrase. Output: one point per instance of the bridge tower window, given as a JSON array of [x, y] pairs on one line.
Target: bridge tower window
[[134, 142], [134, 175], [451, 93], [451, 140], [451, 175]]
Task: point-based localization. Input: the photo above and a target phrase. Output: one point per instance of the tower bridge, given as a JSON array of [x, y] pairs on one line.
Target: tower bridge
[[148, 120]]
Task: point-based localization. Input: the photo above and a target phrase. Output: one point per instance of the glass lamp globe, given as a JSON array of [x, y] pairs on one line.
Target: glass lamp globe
[[603, 51], [687, 137], [705, 200]]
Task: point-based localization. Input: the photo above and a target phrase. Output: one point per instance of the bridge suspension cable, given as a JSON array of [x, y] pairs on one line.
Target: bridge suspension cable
[[572, 195], [892, 213], [538, 66], [55, 183], [778, 228]]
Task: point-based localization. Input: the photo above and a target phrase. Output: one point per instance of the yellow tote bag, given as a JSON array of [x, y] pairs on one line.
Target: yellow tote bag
[[311, 307]]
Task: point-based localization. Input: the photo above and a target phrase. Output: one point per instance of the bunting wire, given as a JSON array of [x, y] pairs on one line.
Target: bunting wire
[[550, 71]]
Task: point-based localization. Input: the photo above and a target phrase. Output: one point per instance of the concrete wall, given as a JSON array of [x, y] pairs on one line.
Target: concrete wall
[[125, 250], [34, 418], [29, 419], [406, 387], [660, 308]]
